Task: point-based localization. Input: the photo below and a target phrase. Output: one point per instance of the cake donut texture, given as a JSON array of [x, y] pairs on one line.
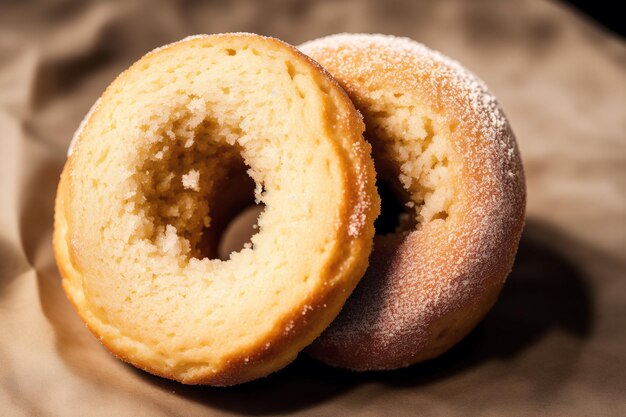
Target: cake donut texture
[[443, 145], [146, 175]]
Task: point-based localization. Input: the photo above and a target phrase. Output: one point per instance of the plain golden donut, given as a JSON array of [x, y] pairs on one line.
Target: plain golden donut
[[441, 141], [152, 161]]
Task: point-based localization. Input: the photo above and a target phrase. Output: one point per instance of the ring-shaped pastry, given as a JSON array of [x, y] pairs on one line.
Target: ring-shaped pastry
[[136, 199], [445, 148]]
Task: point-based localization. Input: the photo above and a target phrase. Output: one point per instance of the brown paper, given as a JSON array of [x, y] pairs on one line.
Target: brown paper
[[555, 343]]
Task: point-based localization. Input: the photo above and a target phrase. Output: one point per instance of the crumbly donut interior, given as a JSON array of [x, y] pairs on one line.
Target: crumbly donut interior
[[192, 182], [200, 161], [412, 153]]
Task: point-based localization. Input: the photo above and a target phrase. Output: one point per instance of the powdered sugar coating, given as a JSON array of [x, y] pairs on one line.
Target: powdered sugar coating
[[81, 127], [428, 287], [363, 207], [205, 36]]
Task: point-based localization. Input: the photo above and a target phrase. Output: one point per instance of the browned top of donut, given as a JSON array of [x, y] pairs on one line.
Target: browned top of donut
[[423, 281]]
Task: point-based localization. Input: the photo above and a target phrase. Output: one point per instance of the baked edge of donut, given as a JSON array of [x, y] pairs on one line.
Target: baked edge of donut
[[313, 314], [453, 321]]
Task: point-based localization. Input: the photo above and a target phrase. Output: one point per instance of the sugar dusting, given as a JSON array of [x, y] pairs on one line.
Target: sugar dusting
[[81, 126], [362, 208], [425, 285], [191, 180]]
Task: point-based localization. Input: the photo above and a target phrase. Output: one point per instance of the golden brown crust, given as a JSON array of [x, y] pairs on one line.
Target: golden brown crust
[[426, 289], [308, 316]]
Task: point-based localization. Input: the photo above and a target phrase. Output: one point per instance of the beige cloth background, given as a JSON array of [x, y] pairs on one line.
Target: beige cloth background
[[555, 344]]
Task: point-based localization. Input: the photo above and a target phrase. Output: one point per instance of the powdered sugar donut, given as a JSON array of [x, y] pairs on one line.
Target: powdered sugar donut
[[445, 147]]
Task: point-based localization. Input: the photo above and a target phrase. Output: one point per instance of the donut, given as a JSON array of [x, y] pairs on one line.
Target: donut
[[448, 162], [147, 176]]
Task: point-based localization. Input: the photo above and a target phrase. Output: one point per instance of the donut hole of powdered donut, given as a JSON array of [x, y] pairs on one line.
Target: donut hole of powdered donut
[[198, 192], [411, 147], [194, 189], [395, 216]]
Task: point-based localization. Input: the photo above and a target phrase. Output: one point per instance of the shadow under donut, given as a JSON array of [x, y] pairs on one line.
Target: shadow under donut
[[545, 291]]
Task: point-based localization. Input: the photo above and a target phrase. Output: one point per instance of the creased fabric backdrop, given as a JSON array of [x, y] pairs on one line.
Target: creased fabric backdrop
[[555, 344]]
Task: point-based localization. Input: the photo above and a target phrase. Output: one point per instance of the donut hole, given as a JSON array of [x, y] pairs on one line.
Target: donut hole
[[234, 218], [238, 231], [395, 216], [411, 147], [192, 187]]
